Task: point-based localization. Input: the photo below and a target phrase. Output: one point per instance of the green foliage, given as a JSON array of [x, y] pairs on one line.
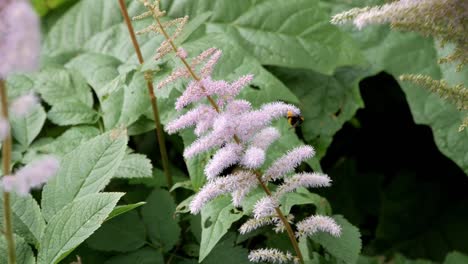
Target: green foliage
[[26, 128], [24, 253], [134, 166], [144, 255]]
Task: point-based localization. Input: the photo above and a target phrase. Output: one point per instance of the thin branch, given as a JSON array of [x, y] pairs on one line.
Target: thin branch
[[153, 98]]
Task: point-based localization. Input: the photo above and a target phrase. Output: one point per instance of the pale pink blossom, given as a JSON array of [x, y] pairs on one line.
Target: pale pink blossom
[[288, 162], [318, 223], [237, 107], [253, 158], [181, 53], [33, 175], [222, 159], [249, 181], [271, 255], [23, 105], [265, 138], [307, 180], [265, 207], [207, 69], [19, 38], [188, 119]]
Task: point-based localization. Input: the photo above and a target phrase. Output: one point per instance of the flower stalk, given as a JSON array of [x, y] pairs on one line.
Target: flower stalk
[[6, 160], [153, 98]]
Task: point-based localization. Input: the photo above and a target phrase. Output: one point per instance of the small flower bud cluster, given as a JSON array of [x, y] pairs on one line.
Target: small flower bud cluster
[[272, 256]]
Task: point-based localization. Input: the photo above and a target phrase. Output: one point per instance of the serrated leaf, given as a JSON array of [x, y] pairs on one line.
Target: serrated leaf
[[26, 128], [121, 209], [227, 252], [303, 196], [347, 246], [72, 113], [456, 258], [302, 26], [158, 215], [217, 217], [27, 217], [85, 170], [58, 85], [134, 166], [73, 224], [144, 255], [18, 84], [24, 254], [69, 140], [124, 233], [82, 21]]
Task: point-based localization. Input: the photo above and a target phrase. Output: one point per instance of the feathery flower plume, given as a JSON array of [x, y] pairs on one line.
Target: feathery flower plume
[[33, 175], [253, 158], [22, 105], [224, 158], [254, 223], [306, 180], [317, 223], [271, 255], [19, 38], [265, 138], [288, 162], [265, 207], [181, 53]]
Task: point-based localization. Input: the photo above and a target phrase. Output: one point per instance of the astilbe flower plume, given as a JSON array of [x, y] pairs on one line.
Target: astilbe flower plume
[[19, 37], [240, 137]]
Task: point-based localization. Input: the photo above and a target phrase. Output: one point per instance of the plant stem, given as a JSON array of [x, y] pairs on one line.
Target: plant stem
[[153, 98], [6, 158], [283, 219], [215, 106]]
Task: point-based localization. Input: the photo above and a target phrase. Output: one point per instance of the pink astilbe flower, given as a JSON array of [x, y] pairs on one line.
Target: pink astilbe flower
[[265, 138], [33, 175], [224, 158], [220, 186], [181, 53], [4, 128], [207, 69], [265, 207], [189, 119], [250, 182], [237, 107], [317, 223], [306, 180], [22, 105], [288, 162], [271, 255], [253, 158], [19, 38]]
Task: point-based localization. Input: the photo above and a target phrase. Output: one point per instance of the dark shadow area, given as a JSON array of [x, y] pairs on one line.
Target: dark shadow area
[[391, 181]]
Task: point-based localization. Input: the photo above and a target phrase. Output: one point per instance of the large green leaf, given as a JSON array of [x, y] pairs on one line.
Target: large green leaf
[[217, 217], [73, 224], [27, 217], [121, 209], [69, 140], [303, 196], [85, 170], [144, 255], [327, 102], [134, 166], [72, 113], [294, 33], [24, 254], [227, 251], [456, 258], [82, 21], [26, 128], [123, 233], [158, 217], [347, 246]]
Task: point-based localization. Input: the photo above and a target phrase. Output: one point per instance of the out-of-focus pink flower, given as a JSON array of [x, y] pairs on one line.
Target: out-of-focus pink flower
[[22, 105]]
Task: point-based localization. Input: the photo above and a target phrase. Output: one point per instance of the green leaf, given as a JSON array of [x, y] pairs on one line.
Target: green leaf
[[72, 113], [18, 85], [217, 217], [82, 21], [27, 217], [58, 85], [24, 254], [346, 247], [73, 224], [121, 209], [303, 196], [158, 216], [227, 251], [456, 258], [85, 170], [134, 166], [26, 128], [145, 255], [327, 102], [69, 140], [123, 233], [300, 36]]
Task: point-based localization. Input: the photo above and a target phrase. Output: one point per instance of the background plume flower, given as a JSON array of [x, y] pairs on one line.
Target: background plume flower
[[316, 223]]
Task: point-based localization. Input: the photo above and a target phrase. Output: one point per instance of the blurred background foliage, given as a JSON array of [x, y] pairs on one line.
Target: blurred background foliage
[[393, 150]]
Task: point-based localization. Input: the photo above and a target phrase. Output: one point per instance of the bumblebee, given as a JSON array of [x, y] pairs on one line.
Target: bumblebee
[[294, 120]]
